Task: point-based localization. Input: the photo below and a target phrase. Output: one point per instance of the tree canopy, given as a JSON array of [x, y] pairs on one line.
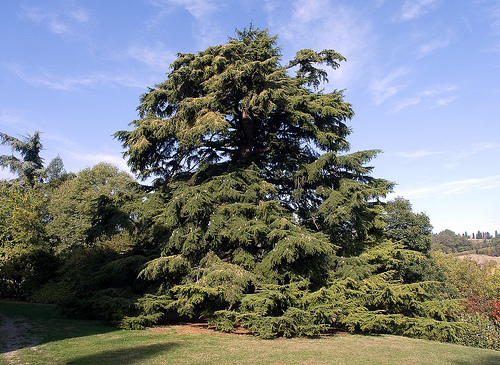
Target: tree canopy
[[252, 162], [89, 205], [236, 107], [413, 230]]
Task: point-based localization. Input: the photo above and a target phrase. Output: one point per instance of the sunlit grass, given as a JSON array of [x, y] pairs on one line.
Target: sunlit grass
[[63, 341]]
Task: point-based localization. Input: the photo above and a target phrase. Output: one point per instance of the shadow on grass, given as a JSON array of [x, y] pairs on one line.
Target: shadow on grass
[[491, 359], [125, 356], [27, 324]]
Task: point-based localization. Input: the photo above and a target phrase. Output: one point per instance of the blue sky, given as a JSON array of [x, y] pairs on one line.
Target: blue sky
[[423, 77]]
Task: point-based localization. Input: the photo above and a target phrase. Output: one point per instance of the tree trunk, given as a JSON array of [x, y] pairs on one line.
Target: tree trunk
[[246, 143]]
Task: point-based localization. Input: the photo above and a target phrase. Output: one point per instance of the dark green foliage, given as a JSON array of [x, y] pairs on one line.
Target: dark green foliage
[[100, 283], [413, 230], [263, 219], [448, 241], [481, 331], [258, 217], [96, 205]]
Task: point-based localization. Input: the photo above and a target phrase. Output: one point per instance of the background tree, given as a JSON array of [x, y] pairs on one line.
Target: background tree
[[55, 173], [30, 167], [94, 220], [25, 258], [448, 241], [413, 230], [80, 207]]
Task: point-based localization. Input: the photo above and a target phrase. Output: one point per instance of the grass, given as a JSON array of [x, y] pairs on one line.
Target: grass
[[63, 341]]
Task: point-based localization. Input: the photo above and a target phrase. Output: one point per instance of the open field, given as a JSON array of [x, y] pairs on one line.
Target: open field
[[480, 259], [36, 334]]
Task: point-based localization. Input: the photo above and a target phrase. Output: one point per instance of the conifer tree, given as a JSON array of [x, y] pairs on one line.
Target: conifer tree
[[30, 167], [260, 192]]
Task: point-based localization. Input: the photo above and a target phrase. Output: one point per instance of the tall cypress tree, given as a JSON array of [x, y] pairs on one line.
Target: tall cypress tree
[[252, 162]]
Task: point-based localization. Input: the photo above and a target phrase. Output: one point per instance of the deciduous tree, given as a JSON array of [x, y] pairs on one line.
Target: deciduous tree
[[413, 230], [80, 208]]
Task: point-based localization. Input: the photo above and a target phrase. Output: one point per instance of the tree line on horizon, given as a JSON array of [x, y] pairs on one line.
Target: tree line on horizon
[[451, 242], [258, 216]]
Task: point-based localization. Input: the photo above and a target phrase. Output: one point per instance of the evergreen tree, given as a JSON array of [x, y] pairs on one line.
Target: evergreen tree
[[252, 164], [30, 167]]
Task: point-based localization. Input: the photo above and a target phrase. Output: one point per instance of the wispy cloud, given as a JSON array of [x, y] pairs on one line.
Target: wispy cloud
[[10, 117], [44, 78], [413, 9], [433, 45], [324, 24], [405, 103], [385, 87], [475, 148], [463, 152], [438, 90], [444, 101], [493, 14], [431, 96], [454, 187], [157, 56], [206, 28], [420, 154], [61, 21], [198, 8]]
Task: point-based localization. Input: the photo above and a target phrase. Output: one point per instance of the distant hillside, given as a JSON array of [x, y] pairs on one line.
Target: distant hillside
[[482, 260], [450, 242]]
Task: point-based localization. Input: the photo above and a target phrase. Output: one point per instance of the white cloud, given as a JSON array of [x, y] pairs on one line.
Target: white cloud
[[198, 8], [429, 96], [207, 29], [454, 187], [438, 90], [61, 22], [445, 101], [433, 45], [10, 117], [388, 86], [475, 148], [78, 161], [44, 78], [118, 161], [405, 103], [451, 155], [419, 154], [79, 14], [323, 24], [413, 9], [157, 56]]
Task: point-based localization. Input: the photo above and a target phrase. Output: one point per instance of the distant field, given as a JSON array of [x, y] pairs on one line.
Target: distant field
[[35, 334], [480, 259]]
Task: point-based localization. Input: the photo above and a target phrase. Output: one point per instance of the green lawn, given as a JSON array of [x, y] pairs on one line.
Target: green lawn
[[43, 337]]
